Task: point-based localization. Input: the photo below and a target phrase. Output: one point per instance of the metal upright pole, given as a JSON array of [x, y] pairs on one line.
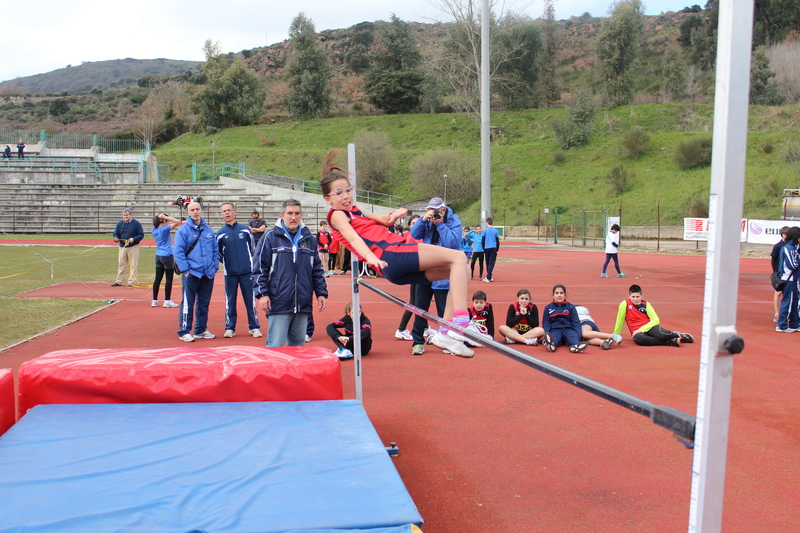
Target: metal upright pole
[[486, 119], [351, 167], [720, 341], [356, 299]]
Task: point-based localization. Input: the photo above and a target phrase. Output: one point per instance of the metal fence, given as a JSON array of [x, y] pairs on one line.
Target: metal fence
[[212, 172], [83, 141]]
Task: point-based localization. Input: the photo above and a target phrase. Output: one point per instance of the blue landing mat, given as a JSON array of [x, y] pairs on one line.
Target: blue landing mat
[[200, 467]]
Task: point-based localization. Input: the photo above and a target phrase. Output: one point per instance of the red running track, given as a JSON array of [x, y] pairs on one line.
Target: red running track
[[488, 444]]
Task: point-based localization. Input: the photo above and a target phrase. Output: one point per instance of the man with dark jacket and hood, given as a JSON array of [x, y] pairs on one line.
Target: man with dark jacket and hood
[[287, 273], [197, 255]]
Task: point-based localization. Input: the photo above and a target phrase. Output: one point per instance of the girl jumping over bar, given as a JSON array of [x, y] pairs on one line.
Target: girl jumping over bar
[[402, 263]]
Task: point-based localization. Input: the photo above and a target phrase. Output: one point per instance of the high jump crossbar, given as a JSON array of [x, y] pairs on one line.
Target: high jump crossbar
[[681, 424]]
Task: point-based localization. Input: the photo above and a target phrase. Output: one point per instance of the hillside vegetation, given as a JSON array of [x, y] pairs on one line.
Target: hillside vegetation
[[529, 169]]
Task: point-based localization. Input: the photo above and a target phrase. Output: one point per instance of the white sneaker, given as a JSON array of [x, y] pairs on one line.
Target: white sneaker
[[479, 331], [510, 341], [440, 340], [532, 342], [617, 338], [428, 332], [404, 335], [256, 333], [205, 335], [229, 333], [187, 338], [154, 303], [308, 338], [170, 303], [343, 353]]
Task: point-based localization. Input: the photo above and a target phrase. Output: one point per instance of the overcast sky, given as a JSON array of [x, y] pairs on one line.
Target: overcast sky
[[51, 34]]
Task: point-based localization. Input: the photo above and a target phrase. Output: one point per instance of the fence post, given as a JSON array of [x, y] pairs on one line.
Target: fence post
[[194, 172], [41, 215], [70, 218], [555, 227], [658, 223], [584, 226], [98, 218]]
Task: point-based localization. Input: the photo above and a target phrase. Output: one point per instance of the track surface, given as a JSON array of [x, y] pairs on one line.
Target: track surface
[[488, 444]]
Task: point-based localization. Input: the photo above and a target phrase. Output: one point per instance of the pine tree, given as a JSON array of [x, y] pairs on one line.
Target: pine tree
[[618, 49], [548, 88]]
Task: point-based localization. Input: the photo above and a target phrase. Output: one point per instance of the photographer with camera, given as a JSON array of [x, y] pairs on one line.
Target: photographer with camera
[[439, 226]]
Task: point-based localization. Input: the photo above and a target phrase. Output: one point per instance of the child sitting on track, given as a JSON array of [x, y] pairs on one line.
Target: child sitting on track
[[561, 323], [592, 334], [522, 321], [481, 316], [341, 333], [644, 323], [400, 262]]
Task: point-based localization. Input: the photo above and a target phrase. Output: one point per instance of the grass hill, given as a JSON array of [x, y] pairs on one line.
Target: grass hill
[[117, 73], [529, 170]]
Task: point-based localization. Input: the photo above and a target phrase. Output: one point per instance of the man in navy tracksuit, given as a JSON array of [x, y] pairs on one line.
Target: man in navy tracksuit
[[236, 247], [491, 244], [287, 272], [197, 255]]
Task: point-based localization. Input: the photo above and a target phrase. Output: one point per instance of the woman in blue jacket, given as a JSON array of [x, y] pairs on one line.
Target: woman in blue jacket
[[561, 323]]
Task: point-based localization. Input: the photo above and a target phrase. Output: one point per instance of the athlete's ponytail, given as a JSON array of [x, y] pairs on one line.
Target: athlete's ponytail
[[331, 171]]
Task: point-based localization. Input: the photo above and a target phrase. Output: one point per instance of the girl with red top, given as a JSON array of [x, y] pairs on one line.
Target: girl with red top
[[522, 321], [400, 262]]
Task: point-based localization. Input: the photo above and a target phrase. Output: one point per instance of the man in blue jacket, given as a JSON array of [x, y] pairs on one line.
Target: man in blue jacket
[[128, 234], [491, 245], [439, 226], [287, 273], [236, 248], [197, 255]]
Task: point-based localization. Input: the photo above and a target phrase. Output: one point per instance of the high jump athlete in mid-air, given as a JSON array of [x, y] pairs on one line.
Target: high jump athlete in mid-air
[[402, 263]]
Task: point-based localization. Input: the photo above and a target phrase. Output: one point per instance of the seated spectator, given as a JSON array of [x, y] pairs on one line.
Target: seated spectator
[[561, 324], [522, 321], [644, 324], [592, 334], [341, 333]]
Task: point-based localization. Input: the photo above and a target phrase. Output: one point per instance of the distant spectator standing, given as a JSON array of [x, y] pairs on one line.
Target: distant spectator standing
[[287, 273], [612, 249], [439, 226], [324, 240], [21, 150], [165, 261], [789, 270], [128, 234], [476, 236], [197, 255], [257, 226], [199, 200], [236, 251], [776, 263], [491, 245]]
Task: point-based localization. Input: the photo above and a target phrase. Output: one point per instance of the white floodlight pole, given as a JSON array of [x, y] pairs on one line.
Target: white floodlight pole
[[486, 112], [355, 296], [720, 341], [351, 167]]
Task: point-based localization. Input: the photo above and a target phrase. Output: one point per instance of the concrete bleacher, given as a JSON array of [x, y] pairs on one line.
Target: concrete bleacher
[[95, 209]]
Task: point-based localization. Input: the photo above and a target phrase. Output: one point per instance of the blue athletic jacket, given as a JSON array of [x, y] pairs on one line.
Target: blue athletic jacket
[[204, 258], [449, 232], [290, 277], [560, 316], [236, 247]]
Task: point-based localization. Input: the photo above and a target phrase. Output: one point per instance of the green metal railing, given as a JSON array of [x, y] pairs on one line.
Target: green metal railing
[[212, 172], [84, 141], [12, 137], [161, 171]]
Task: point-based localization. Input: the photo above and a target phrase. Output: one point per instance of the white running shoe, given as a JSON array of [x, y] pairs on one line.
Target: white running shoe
[[170, 303], [440, 340], [532, 342], [510, 341], [308, 338], [154, 303], [229, 333], [403, 334], [607, 344], [617, 338], [187, 338], [205, 335], [343, 353], [428, 332], [256, 333]]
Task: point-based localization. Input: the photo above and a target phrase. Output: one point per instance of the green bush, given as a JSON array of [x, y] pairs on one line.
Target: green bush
[[620, 179], [694, 153], [559, 158], [635, 142]]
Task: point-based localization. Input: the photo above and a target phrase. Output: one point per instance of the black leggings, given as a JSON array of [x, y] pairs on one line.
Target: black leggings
[[657, 336], [407, 314], [475, 257], [164, 264], [331, 262]]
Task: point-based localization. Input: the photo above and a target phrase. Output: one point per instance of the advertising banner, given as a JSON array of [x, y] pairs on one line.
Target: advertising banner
[[765, 231], [696, 229]]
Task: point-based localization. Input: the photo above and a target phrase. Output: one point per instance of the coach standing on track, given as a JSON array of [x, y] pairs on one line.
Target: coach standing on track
[[491, 245], [287, 272], [197, 255], [128, 234], [236, 247]]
